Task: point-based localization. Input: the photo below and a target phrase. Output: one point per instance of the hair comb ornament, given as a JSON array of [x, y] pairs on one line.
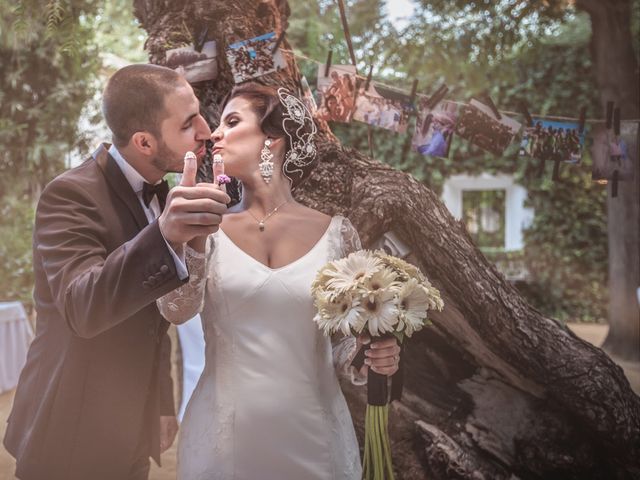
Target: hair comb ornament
[[298, 124]]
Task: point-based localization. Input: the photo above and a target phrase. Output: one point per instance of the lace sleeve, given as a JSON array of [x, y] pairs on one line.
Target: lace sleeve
[[349, 239], [344, 348], [186, 301]]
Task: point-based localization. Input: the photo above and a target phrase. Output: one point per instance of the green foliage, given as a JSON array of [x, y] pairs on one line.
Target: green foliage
[[47, 62], [16, 273], [118, 32], [533, 51], [47, 65]]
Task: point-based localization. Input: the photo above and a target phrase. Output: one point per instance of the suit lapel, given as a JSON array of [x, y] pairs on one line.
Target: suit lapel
[[119, 184]]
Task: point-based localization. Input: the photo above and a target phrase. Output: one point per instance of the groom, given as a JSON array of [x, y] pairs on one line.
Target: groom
[[95, 397]]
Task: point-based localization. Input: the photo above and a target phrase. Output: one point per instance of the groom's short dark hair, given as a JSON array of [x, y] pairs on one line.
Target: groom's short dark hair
[[134, 100]]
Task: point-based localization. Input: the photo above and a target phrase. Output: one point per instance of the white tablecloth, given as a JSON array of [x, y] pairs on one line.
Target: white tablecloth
[[191, 338], [15, 336]]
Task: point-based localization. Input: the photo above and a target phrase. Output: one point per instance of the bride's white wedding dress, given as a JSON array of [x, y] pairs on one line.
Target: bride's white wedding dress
[[268, 405]]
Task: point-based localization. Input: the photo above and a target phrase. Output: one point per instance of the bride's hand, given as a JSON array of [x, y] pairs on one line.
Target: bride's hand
[[199, 243], [383, 356]]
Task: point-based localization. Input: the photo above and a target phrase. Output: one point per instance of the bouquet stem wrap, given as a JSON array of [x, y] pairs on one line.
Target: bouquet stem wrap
[[377, 463]]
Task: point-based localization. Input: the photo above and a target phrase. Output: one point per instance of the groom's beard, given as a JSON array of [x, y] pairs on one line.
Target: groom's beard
[[166, 160]]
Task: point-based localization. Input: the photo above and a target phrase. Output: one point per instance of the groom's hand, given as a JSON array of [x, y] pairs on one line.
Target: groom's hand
[[192, 210]]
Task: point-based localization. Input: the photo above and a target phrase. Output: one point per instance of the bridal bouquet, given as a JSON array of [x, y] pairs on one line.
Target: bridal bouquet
[[370, 291]]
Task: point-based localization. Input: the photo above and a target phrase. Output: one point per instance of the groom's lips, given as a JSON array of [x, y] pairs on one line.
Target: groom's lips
[[201, 151]]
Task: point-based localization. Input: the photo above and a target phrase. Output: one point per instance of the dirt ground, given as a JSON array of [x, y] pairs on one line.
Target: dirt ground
[[594, 334]]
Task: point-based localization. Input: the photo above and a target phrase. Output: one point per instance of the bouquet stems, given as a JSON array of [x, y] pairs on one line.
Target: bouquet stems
[[377, 464]]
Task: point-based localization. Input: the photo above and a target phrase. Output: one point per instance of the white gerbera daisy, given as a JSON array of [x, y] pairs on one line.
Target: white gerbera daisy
[[383, 279], [319, 284], [435, 301], [353, 270], [380, 311], [343, 313], [400, 265], [413, 303]]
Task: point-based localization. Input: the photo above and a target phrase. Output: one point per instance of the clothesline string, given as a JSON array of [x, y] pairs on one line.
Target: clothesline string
[[347, 69]]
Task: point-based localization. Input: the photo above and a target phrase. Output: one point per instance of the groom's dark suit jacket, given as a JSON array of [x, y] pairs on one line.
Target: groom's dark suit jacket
[[97, 373]]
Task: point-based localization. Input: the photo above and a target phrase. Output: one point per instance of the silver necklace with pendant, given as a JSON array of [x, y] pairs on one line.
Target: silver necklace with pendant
[[261, 223]]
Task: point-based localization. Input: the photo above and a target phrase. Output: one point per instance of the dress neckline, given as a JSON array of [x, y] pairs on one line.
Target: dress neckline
[[293, 262]]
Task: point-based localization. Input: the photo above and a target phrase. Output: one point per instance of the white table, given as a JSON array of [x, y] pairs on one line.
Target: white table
[[15, 336]]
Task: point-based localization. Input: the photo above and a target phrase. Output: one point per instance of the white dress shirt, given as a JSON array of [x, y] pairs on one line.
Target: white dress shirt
[[153, 210]]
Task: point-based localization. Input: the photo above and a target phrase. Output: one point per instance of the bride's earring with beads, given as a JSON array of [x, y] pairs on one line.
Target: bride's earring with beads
[[266, 165]]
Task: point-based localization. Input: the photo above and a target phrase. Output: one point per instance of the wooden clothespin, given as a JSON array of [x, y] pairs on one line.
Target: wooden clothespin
[[614, 183], [414, 91], [492, 105], [200, 36], [437, 96], [582, 120], [609, 115], [328, 64], [411, 108], [278, 41], [369, 76], [616, 132], [525, 111]]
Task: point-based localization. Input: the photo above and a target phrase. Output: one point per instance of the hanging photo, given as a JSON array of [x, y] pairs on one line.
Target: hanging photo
[[478, 124], [192, 65], [336, 93], [552, 140], [253, 58], [434, 128], [612, 153], [382, 107], [307, 96]]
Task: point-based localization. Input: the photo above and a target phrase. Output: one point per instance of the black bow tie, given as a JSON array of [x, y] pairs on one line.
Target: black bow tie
[[160, 189]]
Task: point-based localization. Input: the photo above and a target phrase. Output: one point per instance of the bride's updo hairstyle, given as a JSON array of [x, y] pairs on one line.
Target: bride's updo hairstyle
[[283, 115]]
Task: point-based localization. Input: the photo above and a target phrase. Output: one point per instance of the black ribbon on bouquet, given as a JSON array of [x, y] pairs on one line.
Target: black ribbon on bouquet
[[377, 384]]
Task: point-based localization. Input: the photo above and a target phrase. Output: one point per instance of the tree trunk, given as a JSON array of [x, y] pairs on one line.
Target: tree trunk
[[617, 76], [493, 388]]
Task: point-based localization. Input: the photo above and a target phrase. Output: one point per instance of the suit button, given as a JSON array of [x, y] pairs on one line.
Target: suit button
[[146, 284], [164, 269], [152, 280]]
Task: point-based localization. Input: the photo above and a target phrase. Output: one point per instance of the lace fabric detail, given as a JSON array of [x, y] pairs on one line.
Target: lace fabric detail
[[349, 238], [186, 301], [345, 348]]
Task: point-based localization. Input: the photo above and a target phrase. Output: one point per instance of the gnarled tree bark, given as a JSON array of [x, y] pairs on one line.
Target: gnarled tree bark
[[494, 389]]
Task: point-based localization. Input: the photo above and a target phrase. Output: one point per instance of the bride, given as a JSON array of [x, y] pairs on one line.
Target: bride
[[268, 405]]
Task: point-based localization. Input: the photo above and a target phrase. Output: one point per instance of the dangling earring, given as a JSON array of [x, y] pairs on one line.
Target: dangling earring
[[266, 165]]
